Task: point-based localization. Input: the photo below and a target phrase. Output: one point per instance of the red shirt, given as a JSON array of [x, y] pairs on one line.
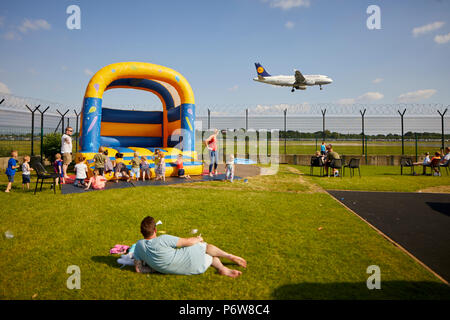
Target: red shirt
[[212, 143], [179, 164]]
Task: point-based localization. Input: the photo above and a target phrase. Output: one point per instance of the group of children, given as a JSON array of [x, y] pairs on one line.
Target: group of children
[[140, 168], [13, 166]]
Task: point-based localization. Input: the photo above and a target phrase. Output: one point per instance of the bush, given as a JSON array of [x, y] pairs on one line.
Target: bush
[[52, 145]]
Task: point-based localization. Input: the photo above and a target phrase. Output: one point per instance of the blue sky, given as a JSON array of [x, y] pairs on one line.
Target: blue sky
[[215, 43]]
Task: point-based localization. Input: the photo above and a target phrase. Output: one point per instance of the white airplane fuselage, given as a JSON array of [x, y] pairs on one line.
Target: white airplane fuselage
[[289, 81]]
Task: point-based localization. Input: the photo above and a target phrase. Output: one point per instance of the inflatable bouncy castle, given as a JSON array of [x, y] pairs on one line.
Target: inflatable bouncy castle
[[171, 130]]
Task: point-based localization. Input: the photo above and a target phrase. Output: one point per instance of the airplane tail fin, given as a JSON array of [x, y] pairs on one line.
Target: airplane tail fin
[[261, 71]]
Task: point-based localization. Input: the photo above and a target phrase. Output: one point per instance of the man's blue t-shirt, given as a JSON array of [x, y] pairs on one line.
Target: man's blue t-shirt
[[162, 255], [322, 148], [11, 163]]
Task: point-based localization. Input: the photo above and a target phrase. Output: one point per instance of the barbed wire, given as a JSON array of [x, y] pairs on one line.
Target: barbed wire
[[17, 103]]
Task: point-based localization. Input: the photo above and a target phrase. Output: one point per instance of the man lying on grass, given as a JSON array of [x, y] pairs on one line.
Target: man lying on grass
[[173, 255]]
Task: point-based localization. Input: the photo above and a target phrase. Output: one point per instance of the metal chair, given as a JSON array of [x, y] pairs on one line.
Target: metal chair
[[352, 165], [445, 166], [335, 164], [316, 162], [42, 175], [406, 162]]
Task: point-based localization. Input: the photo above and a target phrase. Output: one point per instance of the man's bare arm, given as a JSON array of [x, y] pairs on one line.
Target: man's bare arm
[[187, 242]]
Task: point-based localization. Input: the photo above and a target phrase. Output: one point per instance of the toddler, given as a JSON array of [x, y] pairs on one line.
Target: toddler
[[229, 172], [81, 172], [26, 172], [145, 168], [135, 169], [58, 166], [11, 170]]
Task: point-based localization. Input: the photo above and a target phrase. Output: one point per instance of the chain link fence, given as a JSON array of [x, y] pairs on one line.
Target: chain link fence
[[357, 129]]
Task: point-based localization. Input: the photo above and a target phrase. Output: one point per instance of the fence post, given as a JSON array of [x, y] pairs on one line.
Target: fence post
[[76, 130], [32, 127], [417, 158], [363, 135], [209, 119], [42, 133], [61, 121], [285, 130], [442, 127], [403, 138], [323, 123], [366, 149]]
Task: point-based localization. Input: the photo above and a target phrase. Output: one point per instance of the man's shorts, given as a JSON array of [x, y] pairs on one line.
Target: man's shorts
[[26, 178], [180, 172], [10, 178], [208, 258], [67, 158], [135, 172]]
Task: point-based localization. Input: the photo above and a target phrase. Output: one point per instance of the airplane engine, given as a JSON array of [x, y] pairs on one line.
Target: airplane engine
[[300, 87]]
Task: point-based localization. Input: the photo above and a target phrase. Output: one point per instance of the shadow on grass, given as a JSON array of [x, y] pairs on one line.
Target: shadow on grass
[[111, 261], [394, 290]]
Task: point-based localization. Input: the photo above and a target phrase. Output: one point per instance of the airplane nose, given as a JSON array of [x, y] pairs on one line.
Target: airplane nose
[[330, 80]]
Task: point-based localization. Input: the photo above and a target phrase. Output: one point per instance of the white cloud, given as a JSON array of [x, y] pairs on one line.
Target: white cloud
[[11, 35], [441, 39], [427, 28], [289, 4], [234, 88], [4, 88], [377, 80], [415, 96], [289, 25], [366, 97], [88, 72], [34, 25]]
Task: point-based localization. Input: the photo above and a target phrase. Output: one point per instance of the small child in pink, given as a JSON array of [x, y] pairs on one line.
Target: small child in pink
[[98, 182]]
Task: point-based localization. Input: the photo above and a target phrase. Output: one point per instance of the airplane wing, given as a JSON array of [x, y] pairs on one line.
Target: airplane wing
[[299, 78]]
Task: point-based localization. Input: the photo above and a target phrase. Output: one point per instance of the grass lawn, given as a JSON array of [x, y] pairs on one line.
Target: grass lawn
[[381, 178], [271, 221]]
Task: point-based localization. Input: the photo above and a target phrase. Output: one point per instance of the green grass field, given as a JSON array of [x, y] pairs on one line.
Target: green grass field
[[271, 221]]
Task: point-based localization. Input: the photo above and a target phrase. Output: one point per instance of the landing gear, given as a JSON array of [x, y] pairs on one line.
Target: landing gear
[[320, 86], [292, 90]]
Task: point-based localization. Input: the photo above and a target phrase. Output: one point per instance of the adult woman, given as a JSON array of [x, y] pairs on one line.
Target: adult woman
[[211, 144]]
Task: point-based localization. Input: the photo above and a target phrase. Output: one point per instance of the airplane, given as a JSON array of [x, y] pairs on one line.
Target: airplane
[[297, 81]]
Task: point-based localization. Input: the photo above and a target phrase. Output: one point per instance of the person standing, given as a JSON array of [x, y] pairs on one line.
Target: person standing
[[66, 149], [211, 144]]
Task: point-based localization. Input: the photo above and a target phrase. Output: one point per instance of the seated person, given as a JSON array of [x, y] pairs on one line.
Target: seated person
[[173, 255], [445, 159], [425, 163], [97, 182], [331, 155], [434, 163], [180, 169]]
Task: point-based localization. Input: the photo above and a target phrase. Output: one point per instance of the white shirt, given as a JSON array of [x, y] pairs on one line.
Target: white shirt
[[426, 160], [80, 169], [66, 146]]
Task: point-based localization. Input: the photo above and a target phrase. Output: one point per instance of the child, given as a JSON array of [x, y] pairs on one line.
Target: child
[[100, 160], [181, 173], [98, 181], [108, 164], [135, 169], [229, 172], [434, 163], [120, 169], [26, 172], [145, 167], [161, 169], [11, 170], [58, 165], [81, 172]]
